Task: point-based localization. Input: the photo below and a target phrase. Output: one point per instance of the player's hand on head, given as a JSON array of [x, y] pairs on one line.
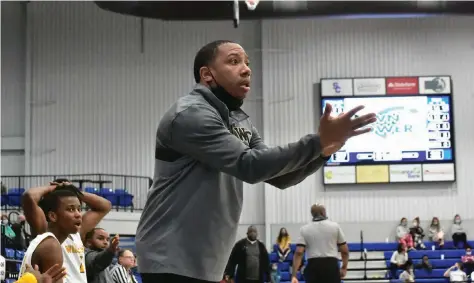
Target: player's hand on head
[[335, 131]]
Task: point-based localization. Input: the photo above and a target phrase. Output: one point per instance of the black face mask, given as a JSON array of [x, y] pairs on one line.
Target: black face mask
[[231, 102]]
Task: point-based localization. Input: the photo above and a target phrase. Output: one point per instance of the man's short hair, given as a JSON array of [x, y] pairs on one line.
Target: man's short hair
[[91, 233], [50, 201], [205, 56], [61, 180]]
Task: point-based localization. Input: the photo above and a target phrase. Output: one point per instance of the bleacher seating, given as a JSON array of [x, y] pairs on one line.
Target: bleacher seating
[[120, 198], [13, 197]]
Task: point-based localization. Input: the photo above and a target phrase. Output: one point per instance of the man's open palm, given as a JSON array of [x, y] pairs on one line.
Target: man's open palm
[[335, 131]]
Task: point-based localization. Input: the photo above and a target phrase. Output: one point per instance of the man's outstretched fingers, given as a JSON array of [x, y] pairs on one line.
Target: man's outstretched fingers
[[359, 123], [353, 111], [360, 132]]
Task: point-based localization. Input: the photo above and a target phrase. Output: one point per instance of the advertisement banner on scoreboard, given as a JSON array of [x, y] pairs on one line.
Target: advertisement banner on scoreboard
[[339, 175], [372, 174], [435, 85], [372, 86], [438, 172], [402, 85], [405, 173], [337, 87]]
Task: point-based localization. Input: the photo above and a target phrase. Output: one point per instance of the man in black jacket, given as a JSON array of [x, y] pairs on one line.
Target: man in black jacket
[[99, 255], [251, 257]]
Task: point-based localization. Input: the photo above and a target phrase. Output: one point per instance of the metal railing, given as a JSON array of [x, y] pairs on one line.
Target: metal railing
[[136, 185]]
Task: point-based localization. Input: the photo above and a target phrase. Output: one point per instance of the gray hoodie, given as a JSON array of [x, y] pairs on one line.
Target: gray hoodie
[[203, 154]]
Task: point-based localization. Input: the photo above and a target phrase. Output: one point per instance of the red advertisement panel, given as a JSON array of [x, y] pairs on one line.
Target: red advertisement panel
[[402, 85]]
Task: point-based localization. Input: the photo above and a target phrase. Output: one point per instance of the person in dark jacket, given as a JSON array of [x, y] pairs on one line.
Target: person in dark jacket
[[99, 255], [251, 257]]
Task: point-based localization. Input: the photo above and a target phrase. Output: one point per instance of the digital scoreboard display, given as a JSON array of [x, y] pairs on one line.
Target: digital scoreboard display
[[412, 139]]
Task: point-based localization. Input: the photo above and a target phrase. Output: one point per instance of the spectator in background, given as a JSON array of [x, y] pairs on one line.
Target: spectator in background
[[458, 233], [468, 261], [283, 242], [251, 258], [436, 232], [456, 273], [425, 264], [398, 260], [417, 234], [122, 272], [99, 255], [403, 234], [21, 236], [7, 231], [407, 275]]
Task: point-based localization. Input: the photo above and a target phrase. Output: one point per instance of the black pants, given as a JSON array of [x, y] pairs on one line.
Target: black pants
[[322, 270], [460, 237], [394, 268], [169, 278]]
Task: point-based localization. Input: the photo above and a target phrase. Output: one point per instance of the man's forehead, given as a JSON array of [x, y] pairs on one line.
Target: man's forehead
[[101, 232], [69, 200], [227, 49]]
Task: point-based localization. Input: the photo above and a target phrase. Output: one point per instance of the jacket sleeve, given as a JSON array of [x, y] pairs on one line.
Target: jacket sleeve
[[289, 179], [232, 263], [98, 261], [266, 262], [200, 132]]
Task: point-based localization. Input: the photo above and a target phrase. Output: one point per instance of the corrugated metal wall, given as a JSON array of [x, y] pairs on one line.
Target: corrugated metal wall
[[297, 53], [98, 90]]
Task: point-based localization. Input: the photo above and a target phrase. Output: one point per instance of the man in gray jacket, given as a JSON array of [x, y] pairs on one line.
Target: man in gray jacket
[[206, 147]]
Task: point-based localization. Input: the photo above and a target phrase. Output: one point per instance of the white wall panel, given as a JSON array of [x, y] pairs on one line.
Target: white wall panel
[[297, 53], [13, 69], [99, 93]]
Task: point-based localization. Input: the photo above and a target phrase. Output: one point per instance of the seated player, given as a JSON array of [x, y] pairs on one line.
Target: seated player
[[62, 208], [73, 247]]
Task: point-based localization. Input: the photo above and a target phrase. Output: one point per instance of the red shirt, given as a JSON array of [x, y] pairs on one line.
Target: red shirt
[[467, 258]]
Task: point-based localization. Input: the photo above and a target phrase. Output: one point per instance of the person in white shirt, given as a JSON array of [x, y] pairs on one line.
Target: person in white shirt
[[398, 260], [72, 247], [455, 273], [408, 275]]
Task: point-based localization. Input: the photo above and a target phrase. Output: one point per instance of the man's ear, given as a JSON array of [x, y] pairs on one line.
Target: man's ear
[[206, 74], [52, 216]]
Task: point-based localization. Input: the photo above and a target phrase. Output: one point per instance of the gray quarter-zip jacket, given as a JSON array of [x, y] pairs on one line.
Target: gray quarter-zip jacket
[[203, 155]]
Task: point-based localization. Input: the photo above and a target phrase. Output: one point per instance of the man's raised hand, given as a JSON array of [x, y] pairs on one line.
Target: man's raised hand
[[335, 131]]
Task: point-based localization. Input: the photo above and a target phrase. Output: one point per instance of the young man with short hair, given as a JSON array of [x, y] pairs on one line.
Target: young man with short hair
[[72, 247], [62, 209]]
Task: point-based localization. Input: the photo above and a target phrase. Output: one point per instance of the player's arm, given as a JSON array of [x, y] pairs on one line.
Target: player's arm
[[47, 254], [34, 215], [289, 179], [199, 132], [99, 207]]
